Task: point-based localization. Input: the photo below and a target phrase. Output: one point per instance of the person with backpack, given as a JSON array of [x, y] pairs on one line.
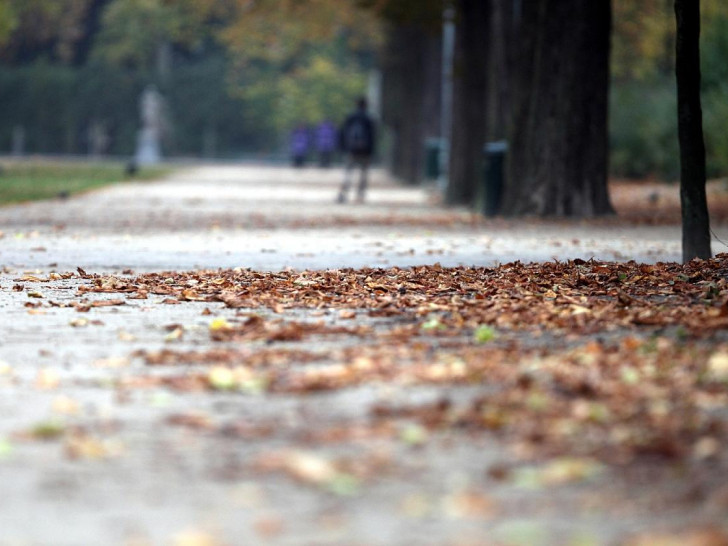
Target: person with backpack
[[357, 141]]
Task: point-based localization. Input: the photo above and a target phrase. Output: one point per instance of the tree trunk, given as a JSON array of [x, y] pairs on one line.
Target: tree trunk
[[470, 93], [695, 218], [557, 162], [407, 96], [501, 46]]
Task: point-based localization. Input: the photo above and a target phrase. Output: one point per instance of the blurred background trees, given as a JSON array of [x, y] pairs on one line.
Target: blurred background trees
[[237, 76], [643, 127]]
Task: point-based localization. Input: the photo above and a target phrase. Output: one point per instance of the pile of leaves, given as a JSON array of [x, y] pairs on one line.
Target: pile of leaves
[[575, 297], [594, 359]]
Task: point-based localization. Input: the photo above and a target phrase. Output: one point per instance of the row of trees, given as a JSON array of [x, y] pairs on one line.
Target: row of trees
[[236, 76], [254, 69], [538, 74], [534, 73]]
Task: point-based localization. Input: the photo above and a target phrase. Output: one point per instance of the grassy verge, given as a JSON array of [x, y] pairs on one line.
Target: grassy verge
[[30, 181]]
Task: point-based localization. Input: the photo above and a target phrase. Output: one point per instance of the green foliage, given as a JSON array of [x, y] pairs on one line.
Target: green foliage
[[484, 334], [56, 104], [643, 40], [643, 131], [715, 119], [52, 29], [240, 76], [713, 52], [300, 62], [643, 114], [208, 117], [316, 91], [38, 96], [133, 31], [8, 19]]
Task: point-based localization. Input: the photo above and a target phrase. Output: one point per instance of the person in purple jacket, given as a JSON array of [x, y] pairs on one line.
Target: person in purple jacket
[[299, 145], [326, 137]]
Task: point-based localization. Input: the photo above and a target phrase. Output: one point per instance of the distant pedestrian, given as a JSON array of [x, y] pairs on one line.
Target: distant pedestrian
[[357, 140], [299, 145], [325, 142]]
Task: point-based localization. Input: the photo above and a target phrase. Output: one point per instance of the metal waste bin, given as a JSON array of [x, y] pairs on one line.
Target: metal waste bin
[[432, 158], [493, 176]]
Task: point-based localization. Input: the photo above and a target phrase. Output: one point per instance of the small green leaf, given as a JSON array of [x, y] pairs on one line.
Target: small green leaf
[[254, 385], [433, 324], [629, 375], [48, 430], [484, 334], [344, 484], [221, 378], [414, 435], [6, 448]]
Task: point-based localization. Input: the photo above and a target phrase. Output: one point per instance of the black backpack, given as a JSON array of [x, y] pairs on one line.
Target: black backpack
[[358, 135]]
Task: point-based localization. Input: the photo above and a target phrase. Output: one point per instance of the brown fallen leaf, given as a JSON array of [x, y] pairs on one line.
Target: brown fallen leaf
[[700, 537], [197, 421]]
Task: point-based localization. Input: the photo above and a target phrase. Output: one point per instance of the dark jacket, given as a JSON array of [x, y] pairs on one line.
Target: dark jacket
[[357, 134]]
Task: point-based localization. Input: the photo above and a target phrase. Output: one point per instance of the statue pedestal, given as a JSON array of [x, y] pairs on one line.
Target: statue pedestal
[[148, 150], [149, 138]]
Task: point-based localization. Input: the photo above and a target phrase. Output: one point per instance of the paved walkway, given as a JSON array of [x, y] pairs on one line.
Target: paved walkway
[[272, 218], [85, 461]]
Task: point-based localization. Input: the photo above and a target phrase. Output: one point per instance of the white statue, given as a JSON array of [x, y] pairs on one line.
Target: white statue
[[149, 139]]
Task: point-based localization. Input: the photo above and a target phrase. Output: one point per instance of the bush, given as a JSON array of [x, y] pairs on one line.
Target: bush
[[643, 131], [56, 104], [715, 118]]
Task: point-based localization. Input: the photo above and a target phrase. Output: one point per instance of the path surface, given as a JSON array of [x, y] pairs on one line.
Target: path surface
[[86, 458], [272, 218]]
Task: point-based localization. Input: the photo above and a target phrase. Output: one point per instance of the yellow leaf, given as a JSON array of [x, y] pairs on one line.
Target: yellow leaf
[[174, 335], [718, 366], [195, 538], [47, 379], [220, 323], [66, 406]]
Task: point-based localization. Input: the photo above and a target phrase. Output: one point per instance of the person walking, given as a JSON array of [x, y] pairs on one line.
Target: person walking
[[325, 142], [357, 140], [299, 143]]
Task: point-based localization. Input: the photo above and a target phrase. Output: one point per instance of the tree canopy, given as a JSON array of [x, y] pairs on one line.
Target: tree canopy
[[280, 62]]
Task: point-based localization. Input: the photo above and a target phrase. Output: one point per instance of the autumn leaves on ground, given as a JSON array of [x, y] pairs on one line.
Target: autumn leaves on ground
[[610, 361], [576, 402], [579, 368]]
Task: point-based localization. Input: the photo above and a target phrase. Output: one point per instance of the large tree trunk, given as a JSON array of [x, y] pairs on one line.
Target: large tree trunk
[[558, 159], [470, 92], [695, 219], [410, 93], [500, 69]]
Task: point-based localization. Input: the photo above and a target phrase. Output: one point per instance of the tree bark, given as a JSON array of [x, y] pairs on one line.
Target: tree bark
[[501, 46], [408, 96], [470, 93], [693, 201], [558, 160]]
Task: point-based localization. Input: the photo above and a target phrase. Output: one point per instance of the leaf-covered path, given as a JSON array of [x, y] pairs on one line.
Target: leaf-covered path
[[227, 357]]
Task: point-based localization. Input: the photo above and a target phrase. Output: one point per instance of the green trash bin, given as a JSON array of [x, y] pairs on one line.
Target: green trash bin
[[432, 158], [493, 176]]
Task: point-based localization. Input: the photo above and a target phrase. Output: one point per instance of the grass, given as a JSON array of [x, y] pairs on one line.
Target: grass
[[34, 180]]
